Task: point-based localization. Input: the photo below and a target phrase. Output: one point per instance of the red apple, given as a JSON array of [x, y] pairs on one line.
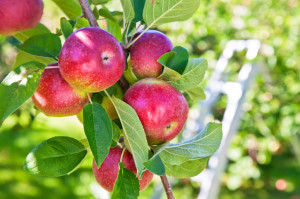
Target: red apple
[[145, 52], [162, 109], [55, 97], [19, 15], [91, 59], [107, 174]]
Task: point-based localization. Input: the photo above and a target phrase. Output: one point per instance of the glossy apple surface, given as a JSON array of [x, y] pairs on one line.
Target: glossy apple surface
[[162, 109], [91, 59], [107, 174], [55, 97], [19, 15], [145, 52]]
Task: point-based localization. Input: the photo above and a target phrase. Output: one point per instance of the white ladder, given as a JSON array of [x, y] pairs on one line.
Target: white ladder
[[235, 91]]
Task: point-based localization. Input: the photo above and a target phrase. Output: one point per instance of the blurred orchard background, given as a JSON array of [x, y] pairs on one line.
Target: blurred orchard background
[[264, 157]]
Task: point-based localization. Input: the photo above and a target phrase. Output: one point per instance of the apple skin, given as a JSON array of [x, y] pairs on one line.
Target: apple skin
[[19, 15], [145, 52], [55, 97], [107, 174], [91, 59], [162, 109]]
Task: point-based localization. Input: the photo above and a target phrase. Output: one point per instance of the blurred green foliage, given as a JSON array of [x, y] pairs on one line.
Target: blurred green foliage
[[264, 158]]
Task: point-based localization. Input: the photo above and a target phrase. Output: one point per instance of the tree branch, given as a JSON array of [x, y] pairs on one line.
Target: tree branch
[[167, 187], [88, 13]]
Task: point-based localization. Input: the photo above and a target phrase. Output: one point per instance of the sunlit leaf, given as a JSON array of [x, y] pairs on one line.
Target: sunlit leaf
[[46, 45], [192, 75], [55, 157], [201, 146], [187, 169], [133, 132], [18, 86], [157, 12]]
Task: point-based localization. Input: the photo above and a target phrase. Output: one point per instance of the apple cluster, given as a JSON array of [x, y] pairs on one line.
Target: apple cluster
[[92, 60]]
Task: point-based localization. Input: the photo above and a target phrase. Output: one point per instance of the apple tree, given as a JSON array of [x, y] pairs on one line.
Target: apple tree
[[126, 82]]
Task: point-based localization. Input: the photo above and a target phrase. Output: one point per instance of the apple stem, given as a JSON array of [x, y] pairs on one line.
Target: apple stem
[[122, 154], [89, 98], [88, 13], [50, 67], [167, 187], [108, 95], [132, 42]]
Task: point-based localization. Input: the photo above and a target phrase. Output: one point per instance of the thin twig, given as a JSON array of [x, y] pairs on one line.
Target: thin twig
[[167, 187], [132, 42], [87, 11], [50, 67], [122, 154], [88, 95]]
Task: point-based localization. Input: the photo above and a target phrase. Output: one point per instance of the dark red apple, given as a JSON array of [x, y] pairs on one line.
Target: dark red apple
[[107, 174], [162, 109], [91, 59], [19, 15], [55, 97], [145, 52]]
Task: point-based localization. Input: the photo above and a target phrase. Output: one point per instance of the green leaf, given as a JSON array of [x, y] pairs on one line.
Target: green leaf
[[100, 2], [196, 94], [117, 13], [138, 6], [115, 135], [70, 7], [55, 157], [126, 186], [168, 74], [23, 57], [174, 63], [38, 30], [98, 131], [46, 45], [176, 60], [187, 169], [114, 29], [203, 145], [133, 132], [130, 76], [180, 60], [81, 23], [128, 10], [155, 165], [164, 59], [18, 86], [192, 76], [96, 12], [157, 12], [66, 27], [104, 12]]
